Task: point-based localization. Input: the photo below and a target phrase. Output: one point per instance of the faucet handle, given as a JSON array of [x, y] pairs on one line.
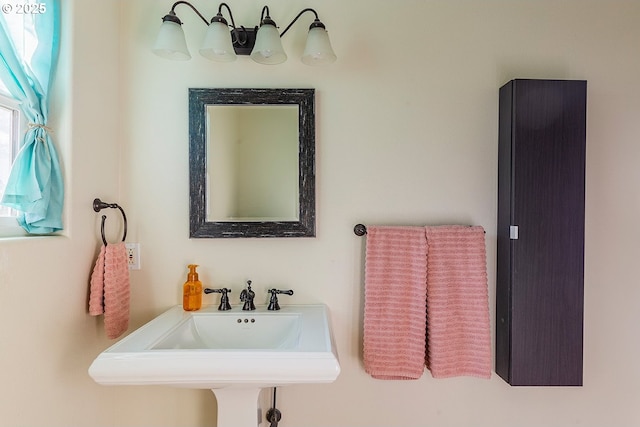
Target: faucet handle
[[273, 301], [224, 299]]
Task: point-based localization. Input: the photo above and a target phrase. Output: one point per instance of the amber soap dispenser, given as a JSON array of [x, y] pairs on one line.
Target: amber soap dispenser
[[192, 290]]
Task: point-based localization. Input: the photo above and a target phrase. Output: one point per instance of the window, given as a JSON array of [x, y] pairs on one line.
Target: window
[[11, 130], [12, 126], [21, 30], [9, 143]]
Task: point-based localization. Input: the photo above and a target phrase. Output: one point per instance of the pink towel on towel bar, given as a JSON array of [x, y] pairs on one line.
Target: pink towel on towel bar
[[110, 289], [395, 302], [96, 293], [458, 331]]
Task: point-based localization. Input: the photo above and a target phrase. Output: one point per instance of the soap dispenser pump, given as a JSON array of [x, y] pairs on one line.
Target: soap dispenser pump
[[192, 291]]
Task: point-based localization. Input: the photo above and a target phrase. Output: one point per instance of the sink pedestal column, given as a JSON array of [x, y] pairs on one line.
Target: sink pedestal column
[[237, 407]]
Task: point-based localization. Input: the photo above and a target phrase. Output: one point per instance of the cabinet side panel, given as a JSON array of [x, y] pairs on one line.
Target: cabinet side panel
[[548, 257], [503, 268]]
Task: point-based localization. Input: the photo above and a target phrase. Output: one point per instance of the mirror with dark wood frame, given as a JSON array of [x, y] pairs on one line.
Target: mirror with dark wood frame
[[269, 117]]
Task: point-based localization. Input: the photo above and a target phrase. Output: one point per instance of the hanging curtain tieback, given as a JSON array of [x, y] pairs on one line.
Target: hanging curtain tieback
[[38, 125]]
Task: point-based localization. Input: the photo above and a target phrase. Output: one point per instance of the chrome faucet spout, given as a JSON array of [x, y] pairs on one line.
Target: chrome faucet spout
[[247, 296]]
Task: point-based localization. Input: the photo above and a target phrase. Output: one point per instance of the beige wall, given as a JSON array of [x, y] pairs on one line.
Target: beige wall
[[406, 134]]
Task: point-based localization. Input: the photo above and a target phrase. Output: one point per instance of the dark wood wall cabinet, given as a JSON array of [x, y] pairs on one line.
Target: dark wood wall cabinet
[[540, 253]]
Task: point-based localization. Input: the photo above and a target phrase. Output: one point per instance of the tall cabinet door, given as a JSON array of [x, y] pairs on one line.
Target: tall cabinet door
[[540, 259]]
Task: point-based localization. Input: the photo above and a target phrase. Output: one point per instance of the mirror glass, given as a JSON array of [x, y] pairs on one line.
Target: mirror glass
[[252, 171], [251, 162]]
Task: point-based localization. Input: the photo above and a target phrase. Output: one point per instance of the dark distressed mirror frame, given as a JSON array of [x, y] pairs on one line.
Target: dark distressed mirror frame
[[199, 99]]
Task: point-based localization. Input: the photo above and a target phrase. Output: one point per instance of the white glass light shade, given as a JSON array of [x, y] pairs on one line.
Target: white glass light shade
[[217, 45], [318, 49], [171, 43], [268, 48]]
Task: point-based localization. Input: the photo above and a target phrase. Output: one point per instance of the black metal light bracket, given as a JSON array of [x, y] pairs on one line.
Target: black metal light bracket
[[242, 38]]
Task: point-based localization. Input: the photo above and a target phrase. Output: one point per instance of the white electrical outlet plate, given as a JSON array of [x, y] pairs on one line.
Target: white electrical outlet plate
[[133, 255]]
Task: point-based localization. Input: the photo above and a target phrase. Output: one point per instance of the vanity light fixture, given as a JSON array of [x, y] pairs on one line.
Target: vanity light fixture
[[261, 43]]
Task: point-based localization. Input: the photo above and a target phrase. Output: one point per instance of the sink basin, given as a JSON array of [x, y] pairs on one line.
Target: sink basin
[[219, 349], [234, 332]]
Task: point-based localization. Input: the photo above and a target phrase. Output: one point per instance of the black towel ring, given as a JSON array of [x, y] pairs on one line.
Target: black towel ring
[[98, 205]]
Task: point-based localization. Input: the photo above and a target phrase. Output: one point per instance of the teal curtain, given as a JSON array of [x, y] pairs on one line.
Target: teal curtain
[[35, 186]]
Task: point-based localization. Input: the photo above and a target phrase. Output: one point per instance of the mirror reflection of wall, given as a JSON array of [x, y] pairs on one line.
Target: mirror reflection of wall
[[252, 163]]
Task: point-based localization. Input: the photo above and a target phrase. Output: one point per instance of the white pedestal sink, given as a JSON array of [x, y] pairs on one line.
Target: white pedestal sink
[[234, 353]]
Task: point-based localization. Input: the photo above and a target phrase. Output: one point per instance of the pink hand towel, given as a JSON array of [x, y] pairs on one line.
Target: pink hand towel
[[110, 294], [96, 294], [459, 337], [395, 302], [116, 290]]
